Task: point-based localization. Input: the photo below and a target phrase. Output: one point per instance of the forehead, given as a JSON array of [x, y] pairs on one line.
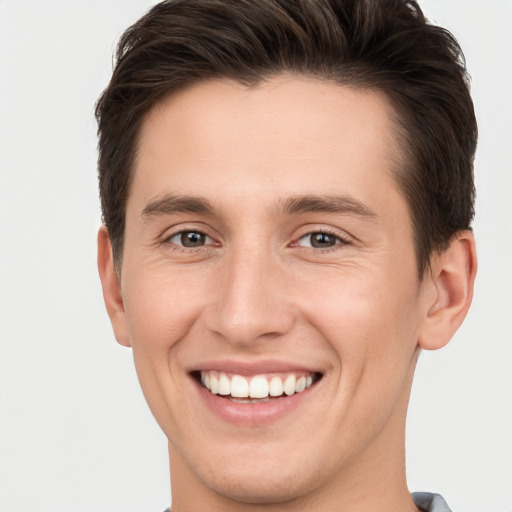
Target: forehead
[[286, 136]]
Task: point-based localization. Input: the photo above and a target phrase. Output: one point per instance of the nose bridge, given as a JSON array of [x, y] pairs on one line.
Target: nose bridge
[[250, 300]]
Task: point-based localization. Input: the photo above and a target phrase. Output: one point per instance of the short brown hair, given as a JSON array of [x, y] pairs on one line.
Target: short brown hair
[[387, 45]]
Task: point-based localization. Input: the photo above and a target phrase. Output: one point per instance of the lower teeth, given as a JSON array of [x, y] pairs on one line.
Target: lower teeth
[[249, 400]]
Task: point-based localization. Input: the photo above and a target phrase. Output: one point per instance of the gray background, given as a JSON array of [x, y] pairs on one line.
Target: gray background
[[75, 433]]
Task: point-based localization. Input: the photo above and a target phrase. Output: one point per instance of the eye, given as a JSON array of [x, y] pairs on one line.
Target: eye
[[190, 239], [320, 240]]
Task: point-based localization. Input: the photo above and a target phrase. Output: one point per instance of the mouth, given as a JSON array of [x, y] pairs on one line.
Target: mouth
[[257, 388]]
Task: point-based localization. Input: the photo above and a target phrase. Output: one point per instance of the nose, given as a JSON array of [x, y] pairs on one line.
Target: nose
[[251, 299]]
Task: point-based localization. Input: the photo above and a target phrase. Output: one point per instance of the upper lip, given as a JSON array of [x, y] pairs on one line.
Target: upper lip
[[251, 368]]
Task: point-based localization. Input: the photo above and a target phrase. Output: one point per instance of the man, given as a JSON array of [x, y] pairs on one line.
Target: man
[[287, 194]]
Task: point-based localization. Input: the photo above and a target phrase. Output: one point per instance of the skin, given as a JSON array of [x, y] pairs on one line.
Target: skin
[[354, 310]]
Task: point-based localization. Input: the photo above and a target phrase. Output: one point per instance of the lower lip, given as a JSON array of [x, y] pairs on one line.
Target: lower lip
[[252, 414]]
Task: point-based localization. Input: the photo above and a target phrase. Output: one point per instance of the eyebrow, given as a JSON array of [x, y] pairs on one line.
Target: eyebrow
[[171, 204], [327, 204]]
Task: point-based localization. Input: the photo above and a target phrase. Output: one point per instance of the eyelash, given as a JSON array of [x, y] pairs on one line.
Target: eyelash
[[340, 240], [182, 248]]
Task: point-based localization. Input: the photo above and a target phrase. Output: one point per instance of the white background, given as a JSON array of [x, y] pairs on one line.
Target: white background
[[75, 433]]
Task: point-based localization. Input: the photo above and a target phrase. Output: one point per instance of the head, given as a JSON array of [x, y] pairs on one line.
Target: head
[[287, 192]]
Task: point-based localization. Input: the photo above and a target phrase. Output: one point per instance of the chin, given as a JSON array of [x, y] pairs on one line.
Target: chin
[[260, 480], [249, 488]]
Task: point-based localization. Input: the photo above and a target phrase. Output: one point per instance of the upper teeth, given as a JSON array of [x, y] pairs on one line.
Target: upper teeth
[[259, 386]]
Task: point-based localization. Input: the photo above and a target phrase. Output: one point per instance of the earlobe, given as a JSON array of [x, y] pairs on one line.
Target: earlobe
[[448, 291], [111, 288]]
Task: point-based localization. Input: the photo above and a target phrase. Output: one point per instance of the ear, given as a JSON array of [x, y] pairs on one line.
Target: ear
[[448, 291], [111, 288]]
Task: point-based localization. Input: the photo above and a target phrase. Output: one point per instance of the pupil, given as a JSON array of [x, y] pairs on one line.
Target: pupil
[[322, 240], [192, 239]]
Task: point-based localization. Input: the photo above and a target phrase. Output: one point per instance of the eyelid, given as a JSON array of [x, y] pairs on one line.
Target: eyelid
[[179, 229], [180, 233], [343, 238]]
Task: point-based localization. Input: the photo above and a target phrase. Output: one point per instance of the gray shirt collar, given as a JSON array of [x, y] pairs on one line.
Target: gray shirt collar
[[429, 502]]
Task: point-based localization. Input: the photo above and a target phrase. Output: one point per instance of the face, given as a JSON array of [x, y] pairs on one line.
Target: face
[[269, 286]]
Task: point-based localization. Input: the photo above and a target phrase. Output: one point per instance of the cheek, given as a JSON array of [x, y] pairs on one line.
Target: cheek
[[161, 305], [370, 322]]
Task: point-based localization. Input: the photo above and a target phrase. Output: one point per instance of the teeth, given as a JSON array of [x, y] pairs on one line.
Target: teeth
[[214, 382], [258, 388], [243, 389], [239, 387], [289, 385], [276, 386], [300, 385], [224, 385]]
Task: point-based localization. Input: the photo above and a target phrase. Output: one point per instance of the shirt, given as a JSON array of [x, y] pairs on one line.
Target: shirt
[[429, 502]]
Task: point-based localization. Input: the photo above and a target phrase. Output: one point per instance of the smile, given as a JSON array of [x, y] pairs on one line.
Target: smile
[[257, 388]]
